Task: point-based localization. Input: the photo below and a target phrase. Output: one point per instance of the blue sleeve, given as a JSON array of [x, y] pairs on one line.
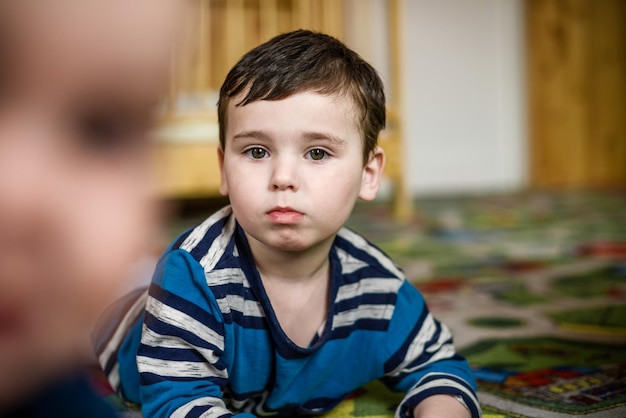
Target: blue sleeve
[[180, 358], [421, 359]]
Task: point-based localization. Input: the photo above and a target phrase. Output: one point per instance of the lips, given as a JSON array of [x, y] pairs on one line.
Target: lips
[[285, 215], [11, 321]]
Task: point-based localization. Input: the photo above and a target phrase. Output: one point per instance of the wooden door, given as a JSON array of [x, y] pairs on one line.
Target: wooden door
[[576, 53]]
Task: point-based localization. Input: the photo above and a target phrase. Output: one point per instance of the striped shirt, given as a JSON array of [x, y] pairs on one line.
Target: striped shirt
[[205, 341]]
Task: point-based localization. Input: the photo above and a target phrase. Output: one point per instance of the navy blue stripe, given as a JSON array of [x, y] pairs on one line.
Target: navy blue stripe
[[411, 403], [110, 363], [183, 305], [251, 322], [163, 328], [372, 267], [398, 357], [229, 289], [368, 271], [152, 379], [112, 360], [202, 247], [366, 299], [130, 334], [111, 319], [197, 411], [380, 325], [469, 401], [177, 354], [426, 355], [237, 289], [455, 378]]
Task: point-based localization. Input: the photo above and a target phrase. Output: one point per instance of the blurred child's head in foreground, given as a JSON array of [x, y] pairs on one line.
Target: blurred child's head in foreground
[[78, 84]]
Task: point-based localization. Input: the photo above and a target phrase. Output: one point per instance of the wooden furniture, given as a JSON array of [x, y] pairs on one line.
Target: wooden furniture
[[223, 30], [576, 53]]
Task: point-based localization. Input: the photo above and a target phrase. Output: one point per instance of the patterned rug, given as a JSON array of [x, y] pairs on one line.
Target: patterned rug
[[533, 287]]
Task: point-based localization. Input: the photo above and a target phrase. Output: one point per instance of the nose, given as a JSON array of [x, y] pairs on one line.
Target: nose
[[284, 174]]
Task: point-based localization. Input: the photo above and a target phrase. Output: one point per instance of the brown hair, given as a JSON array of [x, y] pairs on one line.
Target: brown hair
[[307, 61]]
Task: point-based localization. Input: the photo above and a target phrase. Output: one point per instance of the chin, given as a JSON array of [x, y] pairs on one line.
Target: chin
[[290, 246]]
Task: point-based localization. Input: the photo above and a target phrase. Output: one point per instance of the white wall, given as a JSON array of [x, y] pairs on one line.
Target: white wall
[[463, 86]]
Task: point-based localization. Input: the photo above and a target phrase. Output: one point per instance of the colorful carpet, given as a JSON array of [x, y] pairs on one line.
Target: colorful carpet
[[533, 286]]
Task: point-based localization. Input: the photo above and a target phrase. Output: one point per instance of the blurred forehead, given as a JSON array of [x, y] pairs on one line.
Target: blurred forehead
[[56, 46]]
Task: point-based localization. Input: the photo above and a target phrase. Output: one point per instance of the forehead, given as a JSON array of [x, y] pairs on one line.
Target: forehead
[[302, 111], [65, 46]]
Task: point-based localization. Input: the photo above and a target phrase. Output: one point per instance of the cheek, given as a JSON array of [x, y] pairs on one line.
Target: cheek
[[243, 183], [345, 183], [107, 229], [92, 237]]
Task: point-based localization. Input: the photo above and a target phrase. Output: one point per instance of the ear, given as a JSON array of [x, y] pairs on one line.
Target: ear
[[372, 174], [223, 182]]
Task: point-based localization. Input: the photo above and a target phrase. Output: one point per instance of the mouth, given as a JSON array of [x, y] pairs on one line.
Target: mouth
[[11, 322], [285, 215]]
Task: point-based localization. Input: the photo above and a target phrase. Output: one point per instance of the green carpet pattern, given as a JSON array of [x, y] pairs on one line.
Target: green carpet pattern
[[533, 286]]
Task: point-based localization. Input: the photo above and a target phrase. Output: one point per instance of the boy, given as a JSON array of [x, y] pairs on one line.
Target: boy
[[78, 83], [270, 306]]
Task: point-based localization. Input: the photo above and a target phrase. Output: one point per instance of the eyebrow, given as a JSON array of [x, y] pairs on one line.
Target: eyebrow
[[323, 136], [250, 134]]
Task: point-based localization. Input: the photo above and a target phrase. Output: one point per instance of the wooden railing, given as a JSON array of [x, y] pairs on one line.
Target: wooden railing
[[224, 30]]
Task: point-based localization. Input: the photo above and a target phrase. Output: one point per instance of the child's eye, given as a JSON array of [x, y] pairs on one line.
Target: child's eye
[[101, 133], [106, 132], [256, 153], [317, 154]]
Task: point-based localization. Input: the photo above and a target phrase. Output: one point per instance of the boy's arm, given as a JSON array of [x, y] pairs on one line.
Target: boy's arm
[[180, 358], [422, 362], [441, 406]]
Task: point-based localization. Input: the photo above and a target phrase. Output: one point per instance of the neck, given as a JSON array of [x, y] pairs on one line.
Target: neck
[[291, 266]]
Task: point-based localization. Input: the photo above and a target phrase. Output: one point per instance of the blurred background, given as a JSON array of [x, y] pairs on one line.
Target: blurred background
[[483, 95]]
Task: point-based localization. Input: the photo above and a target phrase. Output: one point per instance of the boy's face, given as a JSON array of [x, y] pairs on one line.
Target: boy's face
[[293, 169], [78, 83]]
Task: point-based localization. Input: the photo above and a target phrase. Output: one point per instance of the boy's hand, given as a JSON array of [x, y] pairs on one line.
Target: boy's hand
[[441, 406]]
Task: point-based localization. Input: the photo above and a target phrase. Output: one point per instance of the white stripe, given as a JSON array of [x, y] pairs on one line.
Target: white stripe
[[239, 304], [442, 382], [417, 345], [122, 329], [360, 243], [183, 321], [347, 318], [226, 276], [153, 339], [200, 231], [114, 377], [371, 286], [217, 407], [210, 259], [349, 264], [445, 352], [173, 368]]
